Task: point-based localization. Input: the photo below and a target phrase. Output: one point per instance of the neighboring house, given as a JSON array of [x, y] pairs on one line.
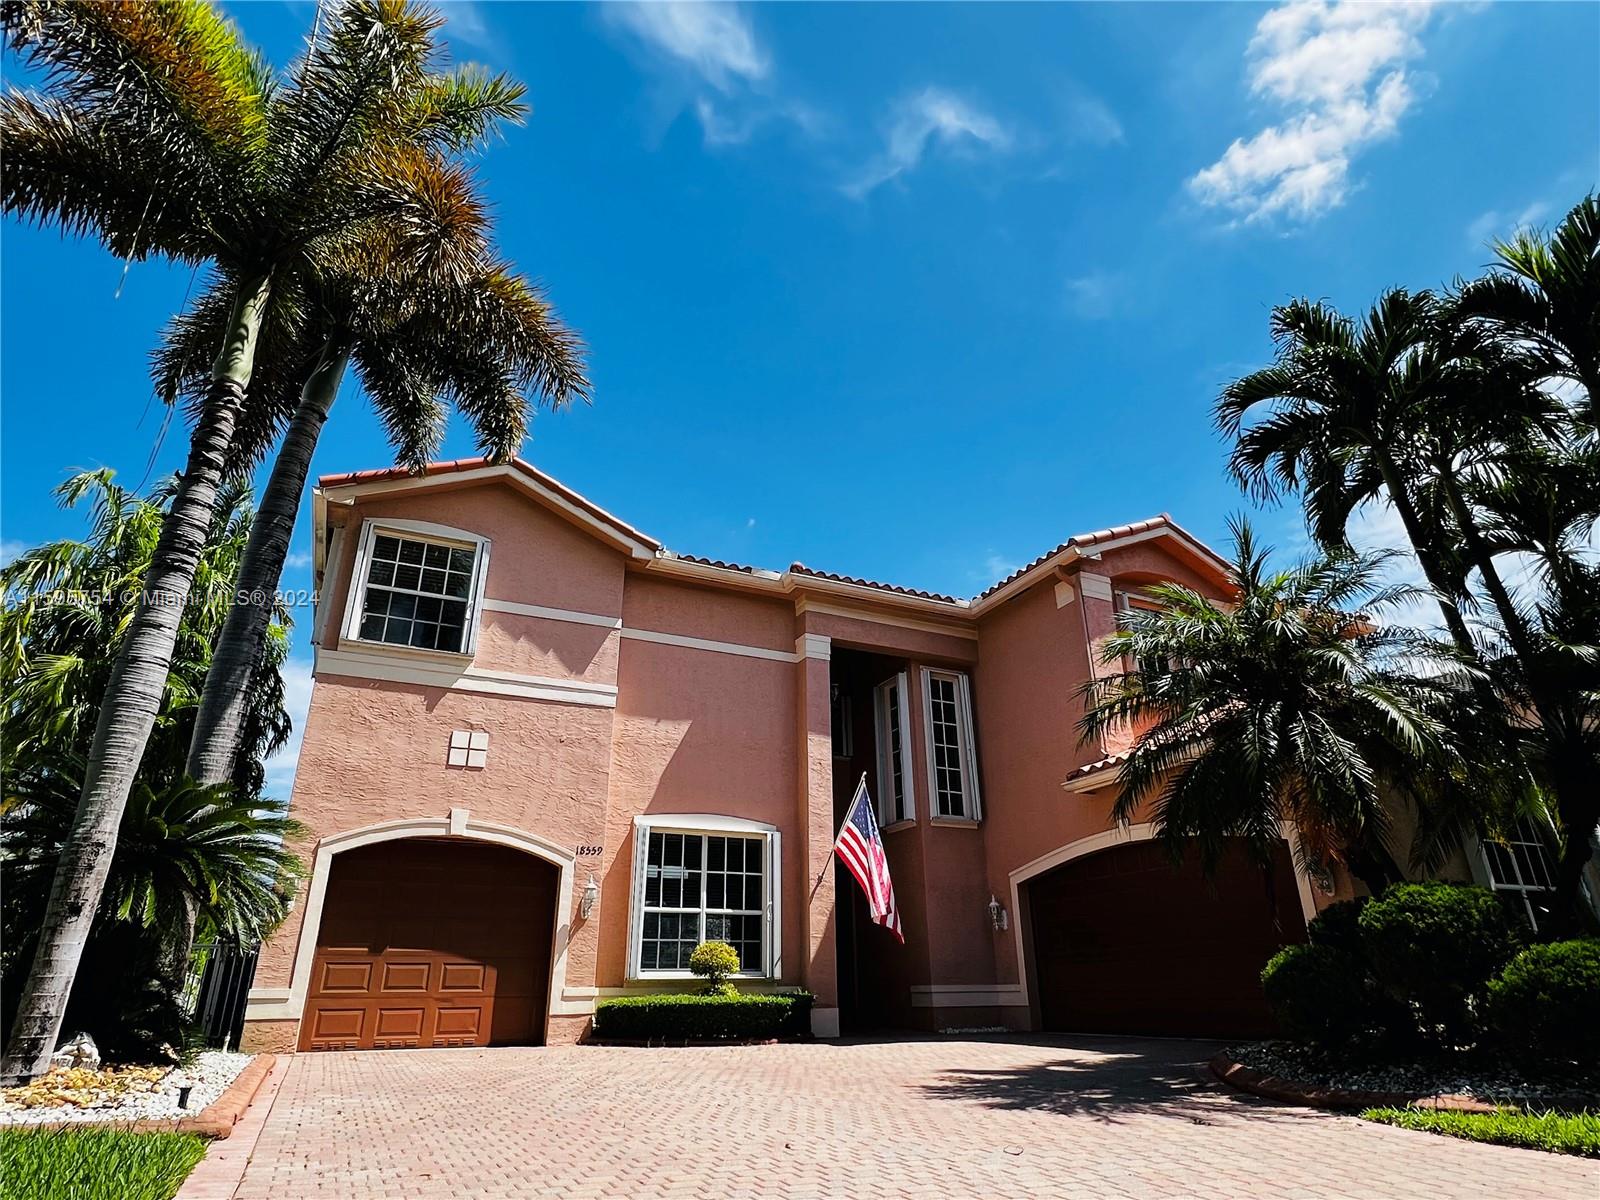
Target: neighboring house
[[545, 757]]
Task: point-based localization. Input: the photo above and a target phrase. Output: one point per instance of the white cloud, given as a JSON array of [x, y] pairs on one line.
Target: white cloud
[[1494, 224], [1096, 296], [715, 40], [1339, 69], [995, 568], [280, 767], [298, 561], [1090, 119], [11, 548], [465, 22], [931, 117]]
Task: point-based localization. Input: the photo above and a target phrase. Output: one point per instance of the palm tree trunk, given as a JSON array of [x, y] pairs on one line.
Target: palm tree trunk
[[223, 702], [1401, 499], [1574, 769], [132, 698]]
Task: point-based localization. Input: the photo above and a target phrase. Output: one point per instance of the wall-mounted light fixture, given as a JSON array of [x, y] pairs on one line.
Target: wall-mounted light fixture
[[997, 913], [591, 893]]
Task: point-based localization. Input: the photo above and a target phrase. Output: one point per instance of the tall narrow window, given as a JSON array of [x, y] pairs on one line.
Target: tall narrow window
[[952, 767], [1522, 866], [893, 727]]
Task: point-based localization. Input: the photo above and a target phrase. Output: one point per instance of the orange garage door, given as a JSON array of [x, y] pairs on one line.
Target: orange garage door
[[431, 943]]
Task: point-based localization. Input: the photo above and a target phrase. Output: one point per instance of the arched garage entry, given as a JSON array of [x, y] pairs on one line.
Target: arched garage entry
[[1124, 942], [432, 942]]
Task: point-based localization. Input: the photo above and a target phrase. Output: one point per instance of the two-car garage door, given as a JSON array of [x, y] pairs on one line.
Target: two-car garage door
[[431, 943], [1126, 943]]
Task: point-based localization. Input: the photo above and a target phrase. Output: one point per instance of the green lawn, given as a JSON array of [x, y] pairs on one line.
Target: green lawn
[[1559, 1133], [95, 1164]]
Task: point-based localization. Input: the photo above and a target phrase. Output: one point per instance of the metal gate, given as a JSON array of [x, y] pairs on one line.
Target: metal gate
[[219, 984]]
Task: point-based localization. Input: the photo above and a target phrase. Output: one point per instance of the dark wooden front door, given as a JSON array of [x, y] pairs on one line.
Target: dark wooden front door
[[431, 943], [1126, 943]]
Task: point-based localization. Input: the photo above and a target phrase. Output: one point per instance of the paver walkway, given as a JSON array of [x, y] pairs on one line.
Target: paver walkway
[[1034, 1117]]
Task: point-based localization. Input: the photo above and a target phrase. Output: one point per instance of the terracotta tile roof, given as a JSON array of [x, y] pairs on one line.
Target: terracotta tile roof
[[802, 569], [1083, 541], [1100, 764]]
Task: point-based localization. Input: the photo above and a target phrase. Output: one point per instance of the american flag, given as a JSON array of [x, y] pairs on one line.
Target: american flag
[[861, 850]]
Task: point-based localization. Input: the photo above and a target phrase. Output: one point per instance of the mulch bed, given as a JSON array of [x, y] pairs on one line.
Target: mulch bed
[[216, 1120]]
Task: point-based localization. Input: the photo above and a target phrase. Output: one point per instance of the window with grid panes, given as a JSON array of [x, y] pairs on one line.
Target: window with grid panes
[[950, 775], [1522, 865], [418, 593], [702, 887]]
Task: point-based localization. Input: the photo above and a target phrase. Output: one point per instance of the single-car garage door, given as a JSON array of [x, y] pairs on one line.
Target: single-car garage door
[[1124, 942], [431, 943]]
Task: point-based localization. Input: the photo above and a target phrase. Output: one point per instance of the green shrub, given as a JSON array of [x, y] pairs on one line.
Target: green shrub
[[714, 962], [678, 1018], [1338, 927], [1434, 947], [1320, 994], [95, 1164], [1545, 1005], [1559, 1133]]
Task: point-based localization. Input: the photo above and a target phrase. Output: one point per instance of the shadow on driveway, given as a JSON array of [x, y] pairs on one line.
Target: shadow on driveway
[[1107, 1079]]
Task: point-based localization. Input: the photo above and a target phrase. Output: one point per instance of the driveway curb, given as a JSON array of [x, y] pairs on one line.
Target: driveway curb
[[216, 1120], [1275, 1087]]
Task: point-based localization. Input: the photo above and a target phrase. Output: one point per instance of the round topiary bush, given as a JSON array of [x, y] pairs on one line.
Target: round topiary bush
[[1338, 927], [1318, 994], [1435, 946], [714, 962], [1545, 1005]]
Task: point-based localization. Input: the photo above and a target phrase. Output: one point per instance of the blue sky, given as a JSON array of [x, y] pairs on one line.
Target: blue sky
[[911, 292]]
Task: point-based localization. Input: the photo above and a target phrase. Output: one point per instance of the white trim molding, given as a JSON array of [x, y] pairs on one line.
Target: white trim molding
[[1106, 839], [433, 670], [813, 645], [1095, 587], [288, 1004], [516, 608], [695, 643], [968, 995]]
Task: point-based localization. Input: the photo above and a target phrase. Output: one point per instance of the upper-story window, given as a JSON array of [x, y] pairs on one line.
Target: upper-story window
[[896, 798], [952, 763], [1132, 602], [417, 585], [1523, 867]]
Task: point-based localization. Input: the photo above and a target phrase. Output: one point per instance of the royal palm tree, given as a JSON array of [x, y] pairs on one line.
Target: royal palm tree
[[488, 343], [1285, 707], [1345, 402], [162, 135]]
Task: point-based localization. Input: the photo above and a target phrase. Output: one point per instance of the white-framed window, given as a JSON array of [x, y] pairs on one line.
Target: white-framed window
[[952, 761], [1523, 865], [892, 724], [1130, 602], [417, 585], [702, 879]]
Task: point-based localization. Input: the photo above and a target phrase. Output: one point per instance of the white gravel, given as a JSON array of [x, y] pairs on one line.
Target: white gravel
[[210, 1074], [1484, 1080]]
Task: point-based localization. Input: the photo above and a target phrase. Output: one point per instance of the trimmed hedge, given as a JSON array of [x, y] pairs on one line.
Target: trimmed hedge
[[677, 1018], [1545, 1005], [1338, 927], [1435, 946], [1318, 994]]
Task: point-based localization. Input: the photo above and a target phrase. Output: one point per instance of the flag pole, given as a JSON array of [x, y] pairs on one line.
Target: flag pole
[[853, 795]]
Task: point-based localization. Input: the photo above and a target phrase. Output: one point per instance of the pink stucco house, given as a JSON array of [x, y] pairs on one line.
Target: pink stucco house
[[546, 756]]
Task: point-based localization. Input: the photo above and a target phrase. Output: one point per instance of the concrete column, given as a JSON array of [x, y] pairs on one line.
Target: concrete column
[[819, 967]]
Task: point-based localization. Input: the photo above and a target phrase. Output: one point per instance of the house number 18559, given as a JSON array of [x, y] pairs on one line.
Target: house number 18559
[[590, 851]]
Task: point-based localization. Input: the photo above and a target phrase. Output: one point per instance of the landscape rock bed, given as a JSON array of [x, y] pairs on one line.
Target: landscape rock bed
[[1485, 1080], [121, 1096]]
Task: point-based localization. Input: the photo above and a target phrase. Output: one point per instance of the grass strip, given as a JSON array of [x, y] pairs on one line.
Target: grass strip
[[95, 1164], [1558, 1133]]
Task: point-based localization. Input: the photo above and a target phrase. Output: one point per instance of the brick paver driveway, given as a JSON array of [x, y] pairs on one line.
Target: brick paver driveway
[[932, 1118]]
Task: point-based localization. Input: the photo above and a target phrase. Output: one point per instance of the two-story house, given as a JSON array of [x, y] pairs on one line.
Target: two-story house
[[546, 757]]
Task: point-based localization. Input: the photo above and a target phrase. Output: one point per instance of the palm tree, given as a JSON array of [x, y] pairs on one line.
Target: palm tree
[[187, 856], [67, 607], [1283, 708], [1544, 293], [162, 135], [1345, 403], [486, 343]]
